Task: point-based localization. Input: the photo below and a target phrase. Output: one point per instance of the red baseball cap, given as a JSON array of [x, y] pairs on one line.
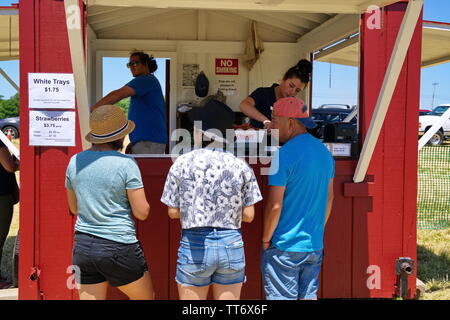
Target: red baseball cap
[[292, 107]]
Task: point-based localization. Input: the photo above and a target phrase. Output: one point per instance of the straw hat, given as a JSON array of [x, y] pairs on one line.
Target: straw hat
[[108, 123]]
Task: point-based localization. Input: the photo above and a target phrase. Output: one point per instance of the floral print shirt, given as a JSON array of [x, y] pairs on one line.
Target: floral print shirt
[[210, 186]]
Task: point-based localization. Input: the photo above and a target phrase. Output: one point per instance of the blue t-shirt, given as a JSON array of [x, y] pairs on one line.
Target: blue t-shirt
[[264, 99], [100, 180], [304, 166], [147, 110]]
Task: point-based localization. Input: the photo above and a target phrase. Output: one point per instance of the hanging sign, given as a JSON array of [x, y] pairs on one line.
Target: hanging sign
[[339, 149], [228, 87], [52, 128], [227, 66], [51, 91]]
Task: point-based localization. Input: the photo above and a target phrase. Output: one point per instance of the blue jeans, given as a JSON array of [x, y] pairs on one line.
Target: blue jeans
[[210, 255], [290, 275]]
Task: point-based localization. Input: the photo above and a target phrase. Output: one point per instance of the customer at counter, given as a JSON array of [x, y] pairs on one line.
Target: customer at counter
[[258, 105], [298, 207], [9, 193], [105, 191], [211, 191], [147, 107]]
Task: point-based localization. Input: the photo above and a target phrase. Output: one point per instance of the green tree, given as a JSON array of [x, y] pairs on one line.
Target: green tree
[[9, 107], [124, 104]]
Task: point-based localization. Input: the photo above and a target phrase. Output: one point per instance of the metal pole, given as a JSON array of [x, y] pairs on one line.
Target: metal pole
[[434, 90], [11, 82]]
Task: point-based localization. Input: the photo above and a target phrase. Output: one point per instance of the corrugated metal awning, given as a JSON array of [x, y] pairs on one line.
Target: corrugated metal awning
[[435, 47], [9, 33]]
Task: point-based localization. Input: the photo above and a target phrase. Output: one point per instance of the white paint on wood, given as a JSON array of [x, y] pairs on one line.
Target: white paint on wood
[[329, 32], [202, 25], [73, 17], [278, 23], [324, 6], [130, 18]]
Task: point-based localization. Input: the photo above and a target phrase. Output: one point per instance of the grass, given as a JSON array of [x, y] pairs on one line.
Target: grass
[[433, 255], [433, 198], [433, 220]]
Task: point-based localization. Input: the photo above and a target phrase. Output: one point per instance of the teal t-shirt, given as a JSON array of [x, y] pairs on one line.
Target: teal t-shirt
[[304, 166], [100, 180]]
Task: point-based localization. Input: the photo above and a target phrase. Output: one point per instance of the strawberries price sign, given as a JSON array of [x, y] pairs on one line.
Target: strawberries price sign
[[227, 66]]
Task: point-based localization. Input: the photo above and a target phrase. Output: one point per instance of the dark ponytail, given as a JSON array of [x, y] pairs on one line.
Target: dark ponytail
[[302, 70], [145, 58]]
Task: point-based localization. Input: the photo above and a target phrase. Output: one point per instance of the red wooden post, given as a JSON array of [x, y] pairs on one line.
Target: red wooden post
[[46, 226], [388, 231]]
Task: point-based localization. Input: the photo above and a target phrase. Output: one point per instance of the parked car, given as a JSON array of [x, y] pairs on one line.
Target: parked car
[[423, 112], [336, 106], [324, 116], [10, 125], [427, 121]]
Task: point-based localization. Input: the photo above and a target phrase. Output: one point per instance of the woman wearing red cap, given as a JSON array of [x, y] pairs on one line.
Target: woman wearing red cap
[[258, 105]]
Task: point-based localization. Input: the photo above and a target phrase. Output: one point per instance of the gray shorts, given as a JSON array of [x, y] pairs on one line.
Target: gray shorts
[[148, 147]]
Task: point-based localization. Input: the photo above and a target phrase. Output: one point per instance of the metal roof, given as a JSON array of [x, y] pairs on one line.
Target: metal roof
[[435, 47], [9, 33]]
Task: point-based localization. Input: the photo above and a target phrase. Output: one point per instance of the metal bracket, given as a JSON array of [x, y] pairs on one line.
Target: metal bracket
[[35, 274], [404, 267]]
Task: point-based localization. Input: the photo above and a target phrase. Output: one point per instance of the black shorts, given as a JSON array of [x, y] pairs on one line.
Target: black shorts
[[99, 260]]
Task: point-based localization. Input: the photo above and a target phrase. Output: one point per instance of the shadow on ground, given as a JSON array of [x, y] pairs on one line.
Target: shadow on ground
[[431, 265]]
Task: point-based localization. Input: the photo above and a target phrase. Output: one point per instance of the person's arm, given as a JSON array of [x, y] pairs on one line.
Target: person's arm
[[115, 96], [138, 202], [72, 200], [6, 160], [248, 214], [247, 106], [330, 200], [174, 213], [272, 212]]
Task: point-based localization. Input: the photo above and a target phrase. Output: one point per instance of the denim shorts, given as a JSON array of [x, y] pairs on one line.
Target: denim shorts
[[210, 255], [290, 275], [101, 260]]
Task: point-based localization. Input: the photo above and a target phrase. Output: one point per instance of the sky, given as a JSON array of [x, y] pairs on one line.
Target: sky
[[343, 87]]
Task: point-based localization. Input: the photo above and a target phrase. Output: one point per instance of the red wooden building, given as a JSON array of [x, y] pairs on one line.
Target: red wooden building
[[373, 222]]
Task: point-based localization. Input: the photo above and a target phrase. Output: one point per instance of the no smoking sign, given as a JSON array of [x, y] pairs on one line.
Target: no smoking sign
[[227, 66]]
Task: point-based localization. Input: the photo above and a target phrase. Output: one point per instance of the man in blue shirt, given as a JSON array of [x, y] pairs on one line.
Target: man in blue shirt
[[147, 108], [299, 204]]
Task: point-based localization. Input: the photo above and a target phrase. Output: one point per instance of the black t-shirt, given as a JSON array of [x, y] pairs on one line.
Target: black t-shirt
[[7, 179], [264, 99]]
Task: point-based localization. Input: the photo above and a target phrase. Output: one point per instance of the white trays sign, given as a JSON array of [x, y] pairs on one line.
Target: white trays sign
[[51, 91], [52, 128]]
